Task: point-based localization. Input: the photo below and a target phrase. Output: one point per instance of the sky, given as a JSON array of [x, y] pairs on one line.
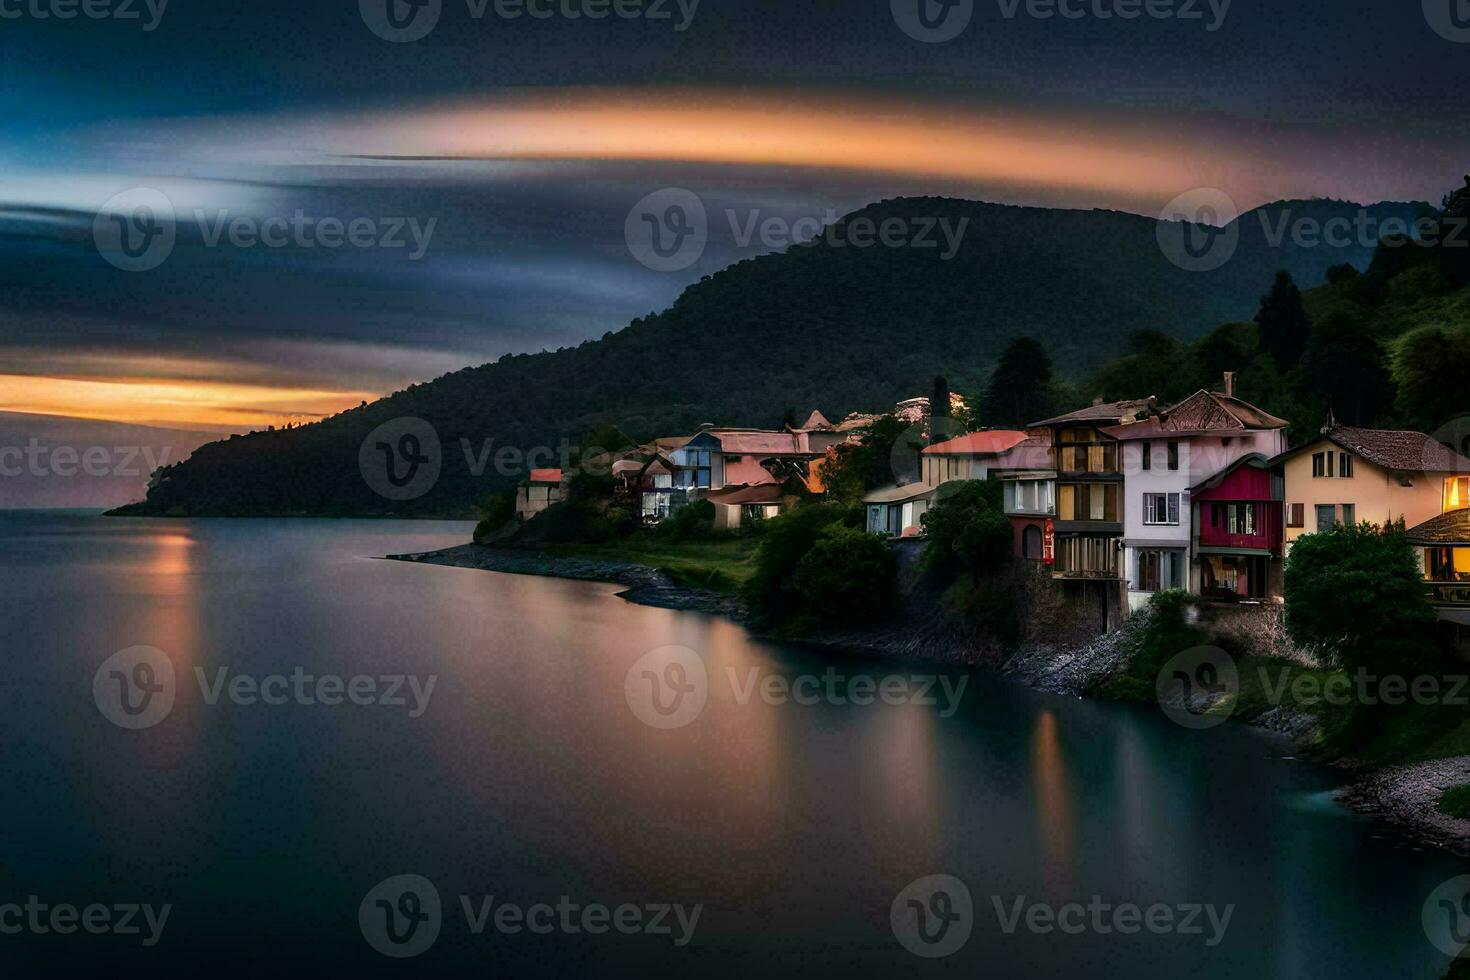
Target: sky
[[343, 197]]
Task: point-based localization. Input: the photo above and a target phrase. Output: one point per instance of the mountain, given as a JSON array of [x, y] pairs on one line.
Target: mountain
[[827, 325]]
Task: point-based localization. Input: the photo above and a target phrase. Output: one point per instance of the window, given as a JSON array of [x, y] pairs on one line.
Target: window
[[1322, 464], [1085, 556], [954, 467], [1296, 515], [1326, 516], [1159, 570], [1031, 543], [1456, 493], [1161, 508], [1173, 455], [1319, 465], [1345, 465], [1087, 502], [1349, 514], [1148, 455]]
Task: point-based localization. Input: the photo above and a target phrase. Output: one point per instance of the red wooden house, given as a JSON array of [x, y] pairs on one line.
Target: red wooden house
[[1238, 531]]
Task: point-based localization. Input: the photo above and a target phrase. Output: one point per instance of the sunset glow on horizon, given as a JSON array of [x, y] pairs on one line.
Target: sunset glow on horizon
[[171, 403]]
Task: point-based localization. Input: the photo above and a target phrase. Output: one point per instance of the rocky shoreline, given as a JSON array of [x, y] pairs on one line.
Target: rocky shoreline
[[1404, 797]]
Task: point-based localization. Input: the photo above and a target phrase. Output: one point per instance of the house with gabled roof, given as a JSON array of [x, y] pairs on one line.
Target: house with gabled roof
[[1347, 475], [1169, 454]]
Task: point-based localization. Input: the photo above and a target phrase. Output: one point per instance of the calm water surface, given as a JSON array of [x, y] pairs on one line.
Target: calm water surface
[[529, 778]]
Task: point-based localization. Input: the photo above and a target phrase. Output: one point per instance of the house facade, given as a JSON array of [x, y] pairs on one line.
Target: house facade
[[719, 458], [1088, 498], [1442, 544], [969, 457], [896, 512], [541, 489], [1348, 475], [1237, 532], [1165, 457]]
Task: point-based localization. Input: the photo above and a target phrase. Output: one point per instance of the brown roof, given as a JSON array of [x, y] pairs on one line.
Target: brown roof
[[767, 493], [760, 442], [1393, 449], [816, 420], [991, 443], [1201, 412], [1451, 528], [1102, 412]]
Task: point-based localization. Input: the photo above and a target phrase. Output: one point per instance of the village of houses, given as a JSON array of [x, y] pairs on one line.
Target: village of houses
[[1139, 497]]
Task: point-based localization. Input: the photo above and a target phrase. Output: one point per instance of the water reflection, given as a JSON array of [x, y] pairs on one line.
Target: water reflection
[[530, 778]]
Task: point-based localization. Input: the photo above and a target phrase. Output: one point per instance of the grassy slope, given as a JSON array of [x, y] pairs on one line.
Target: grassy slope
[[721, 564]]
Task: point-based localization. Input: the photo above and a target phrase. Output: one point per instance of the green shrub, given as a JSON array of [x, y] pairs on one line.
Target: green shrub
[[695, 520], [496, 513], [1166, 632], [967, 525], [1455, 802], [848, 576], [785, 541], [1358, 592]]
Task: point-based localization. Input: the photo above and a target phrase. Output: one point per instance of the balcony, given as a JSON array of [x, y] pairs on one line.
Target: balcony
[[1449, 593]]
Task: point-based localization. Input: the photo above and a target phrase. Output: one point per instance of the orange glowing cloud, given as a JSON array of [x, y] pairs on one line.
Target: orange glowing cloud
[[699, 126], [172, 403]]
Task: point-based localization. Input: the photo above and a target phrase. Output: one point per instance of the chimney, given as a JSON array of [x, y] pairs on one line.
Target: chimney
[[1230, 383]]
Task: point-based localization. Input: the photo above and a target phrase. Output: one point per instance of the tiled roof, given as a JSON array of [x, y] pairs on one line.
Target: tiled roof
[[769, 493], [978, 444], [1201, 412], [1104, 412], [1451, 528], [759, 442], [816, 420], [546, 476], [1396, 449], [898, 495]]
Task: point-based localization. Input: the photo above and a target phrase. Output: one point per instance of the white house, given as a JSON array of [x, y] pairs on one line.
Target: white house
[[1164, 455]]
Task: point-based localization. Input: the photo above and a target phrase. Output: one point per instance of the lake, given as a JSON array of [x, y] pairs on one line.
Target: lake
[[339, 722]]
